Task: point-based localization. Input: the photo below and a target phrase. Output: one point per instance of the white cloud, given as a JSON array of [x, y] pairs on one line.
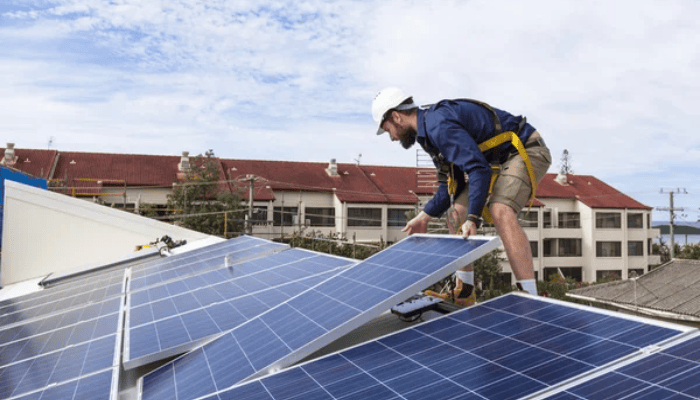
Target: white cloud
[[615, 83]]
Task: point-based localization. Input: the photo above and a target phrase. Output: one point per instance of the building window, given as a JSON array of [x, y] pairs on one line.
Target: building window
[[528, 219], [635, 221], [635, 272], [365, 217], [608, 249], [569, 220], [608, 220], [506, 278], [635, 248], [320, 216], [575, 273], [283, 216], [569, 247], [533, 248], [649, 247], [259, 216], [397, 216], [608, 275], [549, 247], [547, 219]]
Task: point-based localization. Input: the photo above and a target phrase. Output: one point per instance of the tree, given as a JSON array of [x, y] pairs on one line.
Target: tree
[[203, 202]]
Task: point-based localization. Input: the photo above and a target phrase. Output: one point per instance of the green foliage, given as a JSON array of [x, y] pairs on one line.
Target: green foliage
[[689, 252], [488, 271], [557, 287], [335, 245], [202, 200]]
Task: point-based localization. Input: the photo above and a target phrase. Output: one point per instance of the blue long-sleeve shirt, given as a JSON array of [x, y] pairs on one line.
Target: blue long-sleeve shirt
[[454, 128]]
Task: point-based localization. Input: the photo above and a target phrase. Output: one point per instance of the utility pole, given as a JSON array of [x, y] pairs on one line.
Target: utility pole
[[672, 216], [250, 178]]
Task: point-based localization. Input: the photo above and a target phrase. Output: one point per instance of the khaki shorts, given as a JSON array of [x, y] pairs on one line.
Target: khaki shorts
[[512, 186]]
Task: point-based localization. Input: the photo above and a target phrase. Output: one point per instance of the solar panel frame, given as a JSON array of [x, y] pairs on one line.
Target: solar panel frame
[[329, 369], [366, 310]]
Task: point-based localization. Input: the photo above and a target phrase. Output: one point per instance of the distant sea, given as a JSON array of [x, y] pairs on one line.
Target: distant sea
[[680, 239]]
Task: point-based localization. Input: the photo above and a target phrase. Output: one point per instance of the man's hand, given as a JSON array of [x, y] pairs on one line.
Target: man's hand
[[468, 229], [419, 224]]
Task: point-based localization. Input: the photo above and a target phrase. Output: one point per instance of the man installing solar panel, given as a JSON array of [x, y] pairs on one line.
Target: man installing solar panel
[[469, 136]]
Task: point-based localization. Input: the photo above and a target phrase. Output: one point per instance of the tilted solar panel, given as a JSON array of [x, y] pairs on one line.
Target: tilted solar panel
[[508, 348], [311, 320], [177, 322]]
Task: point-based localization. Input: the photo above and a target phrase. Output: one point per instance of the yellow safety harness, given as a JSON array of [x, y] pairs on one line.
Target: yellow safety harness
[[498, 139], [483, 147]]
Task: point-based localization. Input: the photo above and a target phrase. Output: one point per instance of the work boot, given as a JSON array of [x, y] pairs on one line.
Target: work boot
[[465, 295], [462, 295]]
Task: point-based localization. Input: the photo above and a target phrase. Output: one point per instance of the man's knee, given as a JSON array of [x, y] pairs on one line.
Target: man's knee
[[502, 213]]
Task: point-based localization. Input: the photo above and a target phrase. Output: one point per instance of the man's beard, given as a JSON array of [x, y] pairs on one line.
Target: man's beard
[[409, 139]]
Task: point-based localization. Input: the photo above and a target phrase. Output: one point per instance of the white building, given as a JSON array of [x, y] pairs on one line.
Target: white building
[[578, 224]]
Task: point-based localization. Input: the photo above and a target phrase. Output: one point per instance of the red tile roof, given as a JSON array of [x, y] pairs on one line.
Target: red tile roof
[[587, 189], [37, 163], [354, 183]]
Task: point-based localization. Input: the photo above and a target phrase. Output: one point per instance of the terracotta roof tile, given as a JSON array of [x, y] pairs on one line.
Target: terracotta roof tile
[[587, 189]]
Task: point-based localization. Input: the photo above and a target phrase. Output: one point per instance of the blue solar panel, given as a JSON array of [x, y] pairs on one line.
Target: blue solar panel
[[99, 386], [201, 260], [476, 353], [65, 364], [307, 322], [177, 323], [673, 373]]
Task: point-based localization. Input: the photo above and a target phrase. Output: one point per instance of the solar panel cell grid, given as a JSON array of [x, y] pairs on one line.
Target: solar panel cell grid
[[294, 329], [460, 356], [92, 387], [673, 373]]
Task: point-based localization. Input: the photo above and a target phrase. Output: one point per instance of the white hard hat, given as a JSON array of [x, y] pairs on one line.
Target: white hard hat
[[389, 99]]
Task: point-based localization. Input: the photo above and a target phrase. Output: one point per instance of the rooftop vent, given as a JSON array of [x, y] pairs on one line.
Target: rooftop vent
[[184, 164], [561, 179], [9, 157], [332, 169]]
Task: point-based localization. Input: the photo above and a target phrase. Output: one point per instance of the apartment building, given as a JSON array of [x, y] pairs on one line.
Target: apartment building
[[578, 226]]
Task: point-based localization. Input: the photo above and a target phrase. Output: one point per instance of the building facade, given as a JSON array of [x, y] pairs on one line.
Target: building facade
[[578, 226]]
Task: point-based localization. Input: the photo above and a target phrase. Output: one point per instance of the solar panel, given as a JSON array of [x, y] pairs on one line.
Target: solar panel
[[87, 349], [54, 301], [99, 386], [508, 348], [316, 317], [171, 325], [197, 261], [671, 373], [65, 296]]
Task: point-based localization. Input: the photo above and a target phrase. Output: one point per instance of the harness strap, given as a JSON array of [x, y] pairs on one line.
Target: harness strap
[[518, 144]]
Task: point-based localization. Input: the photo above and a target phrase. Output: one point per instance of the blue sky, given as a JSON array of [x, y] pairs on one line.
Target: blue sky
[[613, 82]]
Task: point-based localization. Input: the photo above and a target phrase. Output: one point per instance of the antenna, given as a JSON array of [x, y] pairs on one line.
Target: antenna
[[50, 142], [359, 156]]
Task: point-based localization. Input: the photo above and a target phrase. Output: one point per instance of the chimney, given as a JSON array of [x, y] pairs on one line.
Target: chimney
[[9, 157], [332, 169], [561, 179], [184, 164]]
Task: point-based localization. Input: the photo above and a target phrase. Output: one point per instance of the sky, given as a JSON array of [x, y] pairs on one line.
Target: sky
[[615, 83]]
